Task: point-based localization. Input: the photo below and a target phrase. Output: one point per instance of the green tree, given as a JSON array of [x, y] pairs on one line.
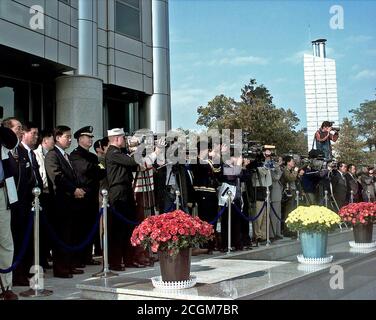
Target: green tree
[[365, 119], [349, 148], [219, 109], [258, 116]]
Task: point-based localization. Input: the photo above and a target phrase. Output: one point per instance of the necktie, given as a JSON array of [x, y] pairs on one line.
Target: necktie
[[33, 162], [67, 158]]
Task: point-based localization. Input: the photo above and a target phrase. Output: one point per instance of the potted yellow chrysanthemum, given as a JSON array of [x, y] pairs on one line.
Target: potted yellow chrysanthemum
[[313, 224]]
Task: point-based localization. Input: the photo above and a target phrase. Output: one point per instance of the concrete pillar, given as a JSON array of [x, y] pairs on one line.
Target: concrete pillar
[[158, 106], [87, 38], [79, 103]]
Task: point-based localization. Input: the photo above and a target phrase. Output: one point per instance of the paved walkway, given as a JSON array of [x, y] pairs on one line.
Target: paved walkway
[[65, 289]]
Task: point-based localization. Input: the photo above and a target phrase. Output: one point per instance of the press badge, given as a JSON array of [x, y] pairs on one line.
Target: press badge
[[12, 191], [4, 153]]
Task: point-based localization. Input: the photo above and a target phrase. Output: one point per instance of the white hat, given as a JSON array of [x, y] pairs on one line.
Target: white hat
[[115, 132]]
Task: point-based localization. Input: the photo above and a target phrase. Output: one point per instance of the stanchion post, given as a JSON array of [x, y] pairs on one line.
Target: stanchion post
[[229, 201], [268, 242], [297, 205], [36, 284], [351, 196], [326, 198], [369, 195], [297, 198], [177, 193], [106, 273]]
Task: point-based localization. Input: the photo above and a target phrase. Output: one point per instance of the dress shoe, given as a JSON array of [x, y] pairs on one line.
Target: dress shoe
[[8, 295], [77, 271], [146, 262], [117, 268], [64, 275], [154, 259], [134, 264], [278, 237], [79, 265], [93, 262]]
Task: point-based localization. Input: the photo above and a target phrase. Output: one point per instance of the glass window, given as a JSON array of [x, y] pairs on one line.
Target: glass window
[[134, 3], [27, 101], [118, 114], [127, 16], [14, 98]]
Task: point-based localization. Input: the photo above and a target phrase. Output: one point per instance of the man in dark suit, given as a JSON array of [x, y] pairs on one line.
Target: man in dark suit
[[28, 177], [63, 186], [89, 174], [353, 184], [339, 185]]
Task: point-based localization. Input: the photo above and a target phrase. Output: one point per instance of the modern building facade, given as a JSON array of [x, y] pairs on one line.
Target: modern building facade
[[103, 63], [320, 89]]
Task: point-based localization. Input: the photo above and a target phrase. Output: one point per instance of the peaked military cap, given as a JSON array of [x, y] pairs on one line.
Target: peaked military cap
[[85, 131]]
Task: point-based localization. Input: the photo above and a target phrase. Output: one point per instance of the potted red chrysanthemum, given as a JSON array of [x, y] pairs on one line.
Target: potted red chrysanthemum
[[173, 235], [362, 216]]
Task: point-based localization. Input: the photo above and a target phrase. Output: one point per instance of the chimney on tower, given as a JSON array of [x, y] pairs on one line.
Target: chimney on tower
[[318, 47]]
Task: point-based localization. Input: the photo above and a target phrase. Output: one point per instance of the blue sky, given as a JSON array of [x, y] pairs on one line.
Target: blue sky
[[216, 46]]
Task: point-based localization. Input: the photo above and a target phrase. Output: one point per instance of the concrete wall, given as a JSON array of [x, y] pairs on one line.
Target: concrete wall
[[122, 60], [57, 41], [79, 104]]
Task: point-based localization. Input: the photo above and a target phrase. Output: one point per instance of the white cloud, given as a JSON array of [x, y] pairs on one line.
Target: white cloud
[[365, 74], [176, 38], [371, 52], [184, 102], [359, 38], [297, 57], [243, 60], [230, 56], [280, 80]]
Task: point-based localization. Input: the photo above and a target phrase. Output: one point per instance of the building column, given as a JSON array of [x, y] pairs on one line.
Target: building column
[[158, 105], [87, 38], [79, 103], [79, 97]]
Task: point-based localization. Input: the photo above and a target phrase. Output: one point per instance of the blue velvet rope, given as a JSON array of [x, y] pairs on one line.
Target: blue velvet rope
[[275, 213], [25, 243], [218, 215], [69, 248], [122, 218], [250, 218]]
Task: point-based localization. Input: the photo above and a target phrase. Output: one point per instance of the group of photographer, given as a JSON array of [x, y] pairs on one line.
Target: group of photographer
[[143, 181]]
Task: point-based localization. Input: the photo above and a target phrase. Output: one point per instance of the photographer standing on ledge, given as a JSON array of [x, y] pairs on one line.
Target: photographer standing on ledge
[[323, 137]]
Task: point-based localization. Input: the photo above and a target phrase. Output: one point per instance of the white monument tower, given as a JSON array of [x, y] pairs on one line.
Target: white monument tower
[[320, 89]]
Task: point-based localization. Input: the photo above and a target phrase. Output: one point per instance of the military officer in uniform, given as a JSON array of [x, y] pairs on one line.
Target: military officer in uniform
[[89, 173], [205, 183], [120, 166]]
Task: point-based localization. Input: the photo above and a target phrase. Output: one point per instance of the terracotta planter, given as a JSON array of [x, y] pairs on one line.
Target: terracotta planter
[[363, 233], [176, 268]]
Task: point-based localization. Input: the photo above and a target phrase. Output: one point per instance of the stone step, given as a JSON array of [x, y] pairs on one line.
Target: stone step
[[264, 273], [281, 249]]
